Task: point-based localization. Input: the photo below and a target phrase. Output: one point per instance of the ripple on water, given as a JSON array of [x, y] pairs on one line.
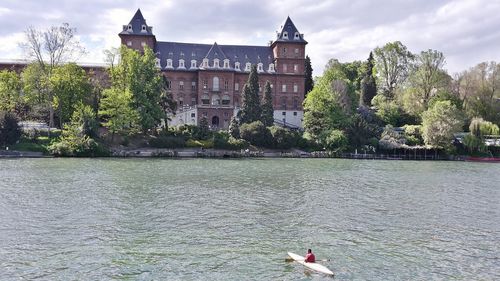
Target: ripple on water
[[91, 219]]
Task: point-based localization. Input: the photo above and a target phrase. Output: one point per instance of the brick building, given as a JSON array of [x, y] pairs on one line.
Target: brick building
[[207, 80]]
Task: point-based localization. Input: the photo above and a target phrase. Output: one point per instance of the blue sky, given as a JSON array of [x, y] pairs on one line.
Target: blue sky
[[466, 31]]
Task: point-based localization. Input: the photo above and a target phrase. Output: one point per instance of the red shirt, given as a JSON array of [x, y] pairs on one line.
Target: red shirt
[[310, 258]]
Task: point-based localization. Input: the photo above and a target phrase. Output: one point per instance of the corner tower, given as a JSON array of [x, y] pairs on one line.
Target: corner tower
[[137, 34], [289, 49]]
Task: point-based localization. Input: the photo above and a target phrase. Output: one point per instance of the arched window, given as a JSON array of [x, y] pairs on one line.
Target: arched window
[[248, 66], [215, 83], [193, 63], [216, 63], [260, 67], [226, 63], [169, 63], [181, 63], [285, 35], [237, 65]]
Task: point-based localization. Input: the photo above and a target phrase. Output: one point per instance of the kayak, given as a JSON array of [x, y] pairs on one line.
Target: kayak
[[312, 265]]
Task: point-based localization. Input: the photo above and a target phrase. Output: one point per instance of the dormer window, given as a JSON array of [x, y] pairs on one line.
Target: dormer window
[[226, 63], [237, 65], [216, 63], [297, 36], [129, 27], [169, 63], [193, 63], [271, 67], [144, 28], [285, 35], [205, 62], [157, 63], [260, 67], [248, 66], [181, 63]]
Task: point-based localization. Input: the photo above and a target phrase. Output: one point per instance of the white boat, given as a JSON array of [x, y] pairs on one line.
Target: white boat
[[312, 265]]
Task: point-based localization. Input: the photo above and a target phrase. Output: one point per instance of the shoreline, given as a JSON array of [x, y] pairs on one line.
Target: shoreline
[[228, 154]]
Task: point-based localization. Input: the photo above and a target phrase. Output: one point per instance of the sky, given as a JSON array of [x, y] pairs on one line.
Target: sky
[[466, 31]]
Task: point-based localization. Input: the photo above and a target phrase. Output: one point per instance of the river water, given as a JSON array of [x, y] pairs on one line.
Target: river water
[[201, 219]]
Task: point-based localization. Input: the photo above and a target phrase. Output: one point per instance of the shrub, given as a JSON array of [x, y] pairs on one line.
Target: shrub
[[256, 133], [336, 141], [200, 143], [10, 132], [167, 142], [283, 138]]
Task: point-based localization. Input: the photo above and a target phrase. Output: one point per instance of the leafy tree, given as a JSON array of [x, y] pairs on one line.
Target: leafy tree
[[139, 75], [267, 106], [309, 84], [86, 117], [329, 104], [440, 122], [10, 132], [36, 87], [117, 113], [10, 88], [256, 133], [283, 138], [336, 141], [479, 88], [368, 84], [250, 104], [70, 86], [50, 48], [360, 131], [234, 128], [393, 63]]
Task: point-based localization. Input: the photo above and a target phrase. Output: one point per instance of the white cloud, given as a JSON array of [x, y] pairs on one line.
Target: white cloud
[[465, 30]]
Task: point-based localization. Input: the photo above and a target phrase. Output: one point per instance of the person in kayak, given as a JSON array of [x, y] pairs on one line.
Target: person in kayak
[[310, 256]]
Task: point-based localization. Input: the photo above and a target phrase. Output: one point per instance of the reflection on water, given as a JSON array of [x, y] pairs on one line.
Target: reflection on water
[[89, 219]]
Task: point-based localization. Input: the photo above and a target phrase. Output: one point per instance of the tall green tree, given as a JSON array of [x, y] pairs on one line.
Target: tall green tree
[[70, 86], [10, 132], [308, 70], [117, 113], [10, 90], [50, 48], [393, 63], [368, 85], [250, 104], [267, 106], [36, 86], [427, 79], [138, 74], [440, 122]]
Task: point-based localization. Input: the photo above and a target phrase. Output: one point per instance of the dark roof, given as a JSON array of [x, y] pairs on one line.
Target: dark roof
[[194, 51], [289, 33], [136, 24]]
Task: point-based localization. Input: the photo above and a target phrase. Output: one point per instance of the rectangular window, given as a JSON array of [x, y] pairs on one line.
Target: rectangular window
[[181, 85], [284, 113], [193, 85], [295, 113], [296, 51], [236, 86], [169, 84], [129, 43], [285, 68], [193, 101], [193, 115], [295, 68], [295, 88], [226, 85], [180, 103], [283, 88], [205, 84]]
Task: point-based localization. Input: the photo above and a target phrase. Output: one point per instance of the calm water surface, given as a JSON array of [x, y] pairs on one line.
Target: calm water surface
[[155, 219]]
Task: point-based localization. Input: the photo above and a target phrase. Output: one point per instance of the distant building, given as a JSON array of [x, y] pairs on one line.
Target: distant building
[[207, 80]]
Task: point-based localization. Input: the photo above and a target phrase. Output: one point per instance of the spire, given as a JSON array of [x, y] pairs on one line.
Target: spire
[[289, 33], [137, 26]]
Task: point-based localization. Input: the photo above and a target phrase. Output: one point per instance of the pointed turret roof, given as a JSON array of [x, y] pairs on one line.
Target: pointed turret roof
[[289, 33], [137, 26], [215, 53]]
